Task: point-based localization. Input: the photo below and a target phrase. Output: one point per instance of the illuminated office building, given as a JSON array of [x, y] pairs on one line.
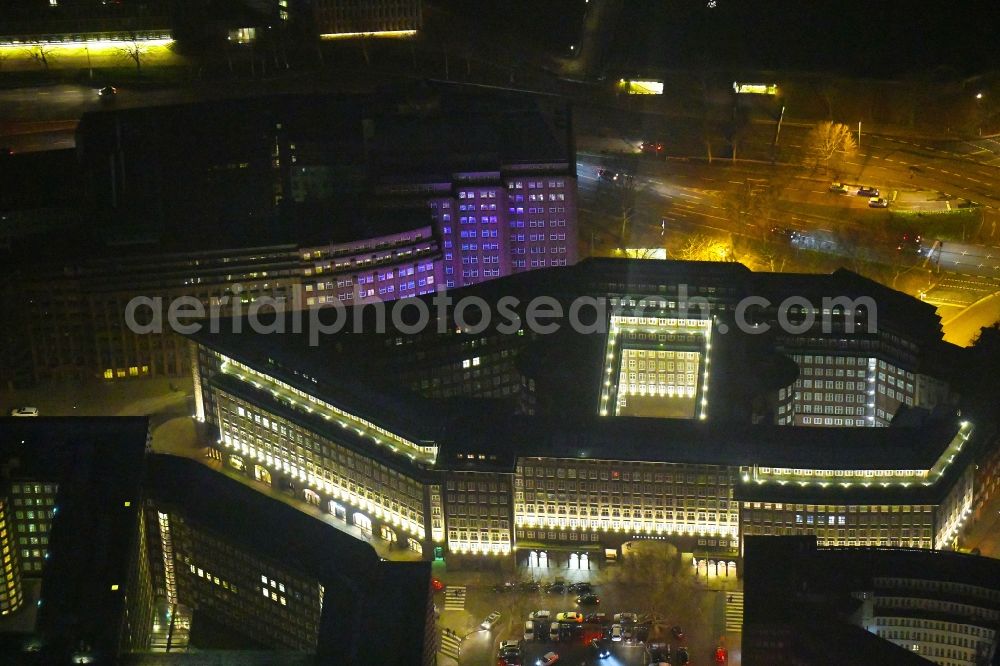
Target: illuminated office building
[[10, 583], [664, 423], [150, 553], [367, 18]]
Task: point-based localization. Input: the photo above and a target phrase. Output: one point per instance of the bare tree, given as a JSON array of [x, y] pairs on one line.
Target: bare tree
[[622, 187], [707, 125], [701, 247], [750, 204], [738, 130], [40, 53], [133, 50], [827, 140], [626, 190]]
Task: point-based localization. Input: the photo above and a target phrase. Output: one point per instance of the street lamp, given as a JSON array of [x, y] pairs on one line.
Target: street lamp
[[979, 95]]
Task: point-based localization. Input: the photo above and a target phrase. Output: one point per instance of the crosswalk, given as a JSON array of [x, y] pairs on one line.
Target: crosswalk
[[451, 644], [734, 612], [454, 597]]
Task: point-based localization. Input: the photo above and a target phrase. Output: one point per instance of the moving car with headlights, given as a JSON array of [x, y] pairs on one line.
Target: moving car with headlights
[[490, 620], [588, 600], [600, 648], [654, 148]]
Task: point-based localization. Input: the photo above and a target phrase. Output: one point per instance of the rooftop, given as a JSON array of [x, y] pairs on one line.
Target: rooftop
[[98, 464]]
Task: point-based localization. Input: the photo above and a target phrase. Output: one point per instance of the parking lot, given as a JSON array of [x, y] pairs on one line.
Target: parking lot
[[565, 619]]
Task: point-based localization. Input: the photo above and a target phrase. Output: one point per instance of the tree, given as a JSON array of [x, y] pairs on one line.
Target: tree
[[625, 190], [40, 53], [701, 247], [750, 204], [707, 124], [660, 584], [738, 129], [827, 140], [622, 189], [133, 50]]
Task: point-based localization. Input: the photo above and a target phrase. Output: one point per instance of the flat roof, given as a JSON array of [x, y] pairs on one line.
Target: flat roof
[[359, 371]]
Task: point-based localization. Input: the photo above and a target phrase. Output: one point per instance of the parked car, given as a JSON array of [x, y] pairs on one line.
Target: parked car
[[436, 585], [581, 588], [542, 615], [547, 659], [682, 656], [503, 587], [659, 652], [510, 653], [877, 202], [24, 411], [597, 618], [554, 632], [865, 191], [624, 618], [839, 188], [677, 632], [529, 630], [569, 616], [490, 620], [529, 586], [616, 633], [628, 632], [600, 648], [588, 600], [556, 588]]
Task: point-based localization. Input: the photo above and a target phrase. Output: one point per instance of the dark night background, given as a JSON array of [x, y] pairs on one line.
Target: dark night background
[[865, 38]]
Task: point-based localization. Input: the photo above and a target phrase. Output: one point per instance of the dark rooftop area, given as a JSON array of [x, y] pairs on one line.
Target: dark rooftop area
[[98, 464], [357, 584]]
